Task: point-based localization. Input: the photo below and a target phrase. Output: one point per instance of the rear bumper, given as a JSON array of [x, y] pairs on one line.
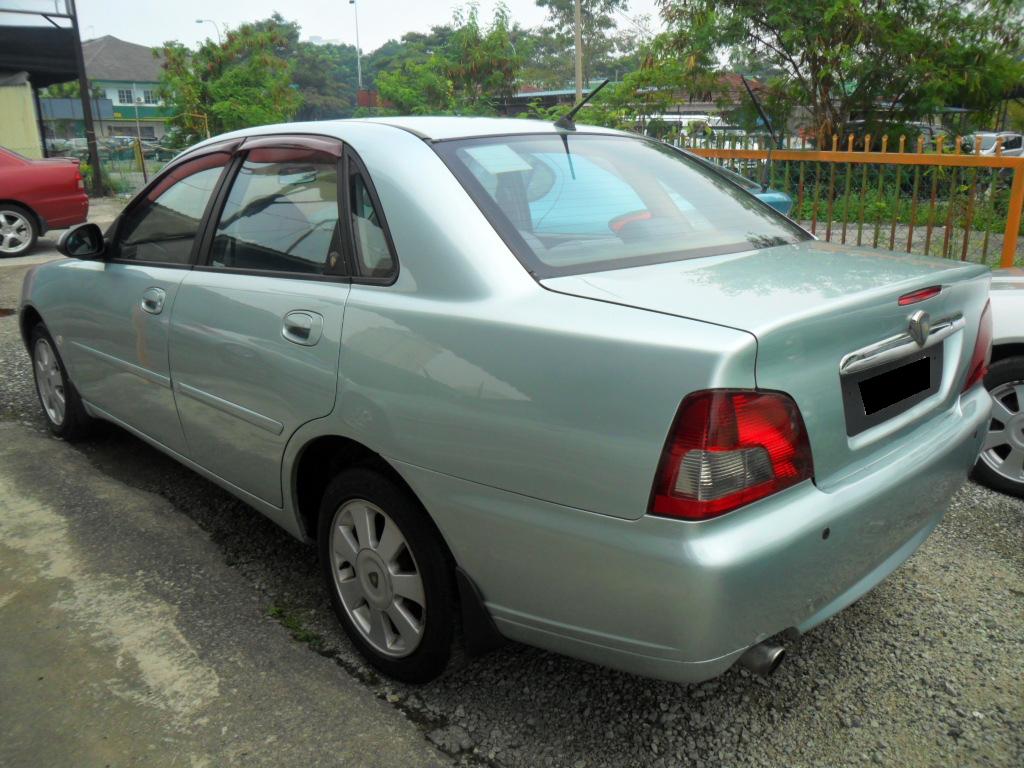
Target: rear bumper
[[681, 601]]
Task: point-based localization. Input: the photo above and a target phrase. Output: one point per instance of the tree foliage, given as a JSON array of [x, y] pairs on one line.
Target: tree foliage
[[889, 60], [466, 69], [609, 48], [243, 81]]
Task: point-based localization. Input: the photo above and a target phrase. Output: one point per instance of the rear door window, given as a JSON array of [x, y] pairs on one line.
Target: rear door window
[[281, 214]]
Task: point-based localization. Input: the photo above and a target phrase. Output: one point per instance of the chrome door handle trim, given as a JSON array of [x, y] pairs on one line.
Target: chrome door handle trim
[[153, 300], [900, 345], [303, 327]]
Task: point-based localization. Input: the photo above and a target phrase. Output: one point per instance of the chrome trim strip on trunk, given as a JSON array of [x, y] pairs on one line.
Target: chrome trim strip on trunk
[[901, 345]]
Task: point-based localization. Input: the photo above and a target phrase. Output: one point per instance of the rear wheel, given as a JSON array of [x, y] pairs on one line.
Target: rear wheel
[[18, 231], [389, 575], [1001, 463], [65, 415]]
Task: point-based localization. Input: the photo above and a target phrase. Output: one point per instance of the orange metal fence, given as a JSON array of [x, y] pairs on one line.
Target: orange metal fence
[[973, 198]]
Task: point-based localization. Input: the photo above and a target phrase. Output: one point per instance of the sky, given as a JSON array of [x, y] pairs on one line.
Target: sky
[[152, 22]]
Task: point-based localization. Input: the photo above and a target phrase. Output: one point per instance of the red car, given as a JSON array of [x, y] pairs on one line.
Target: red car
[[37, 195]]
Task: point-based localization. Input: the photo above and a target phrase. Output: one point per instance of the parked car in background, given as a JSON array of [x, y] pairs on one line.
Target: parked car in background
[[36, 196], [652, 439], [777, 199], [1001, 463], [1012, 143]]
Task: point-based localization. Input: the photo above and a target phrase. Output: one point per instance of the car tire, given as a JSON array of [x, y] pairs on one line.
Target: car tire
[[997, 467], [62, 407], [389, 574], [18, 230]]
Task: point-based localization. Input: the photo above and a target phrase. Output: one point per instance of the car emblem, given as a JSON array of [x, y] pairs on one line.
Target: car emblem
[[920, 326]]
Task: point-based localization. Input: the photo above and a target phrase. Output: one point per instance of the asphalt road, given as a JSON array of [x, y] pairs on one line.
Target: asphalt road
[[148, 618]]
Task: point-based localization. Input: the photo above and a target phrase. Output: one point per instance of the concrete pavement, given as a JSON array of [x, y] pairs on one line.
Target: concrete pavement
[[125, 639]]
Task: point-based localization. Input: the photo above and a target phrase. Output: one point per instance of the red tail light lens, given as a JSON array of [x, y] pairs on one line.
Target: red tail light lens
[[728, 448], [982, 349], [921, 295]]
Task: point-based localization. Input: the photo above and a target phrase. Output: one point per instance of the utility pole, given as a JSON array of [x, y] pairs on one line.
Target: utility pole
[[578, 11], [86, 96], [359, 52]]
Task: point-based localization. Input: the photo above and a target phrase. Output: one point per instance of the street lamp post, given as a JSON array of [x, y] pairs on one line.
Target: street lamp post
[[359, 53], [215, 26]]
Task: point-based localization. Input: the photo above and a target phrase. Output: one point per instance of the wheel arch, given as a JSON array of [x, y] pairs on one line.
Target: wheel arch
[[39, 221], [1003, 351], [319, 460], [315, 465], [27, 320]]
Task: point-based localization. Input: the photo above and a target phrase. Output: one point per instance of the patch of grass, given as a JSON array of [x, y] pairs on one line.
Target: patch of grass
[[295, 627]]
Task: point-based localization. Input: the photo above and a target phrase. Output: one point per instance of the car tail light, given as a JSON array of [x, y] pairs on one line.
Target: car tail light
[[728, 448], [915, 296], [79, 181], [982, 349]]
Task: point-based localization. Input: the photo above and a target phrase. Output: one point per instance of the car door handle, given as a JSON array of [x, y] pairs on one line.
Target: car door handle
[[153, 300], [303, 327]]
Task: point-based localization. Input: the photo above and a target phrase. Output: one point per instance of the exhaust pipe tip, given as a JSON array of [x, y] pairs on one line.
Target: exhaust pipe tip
[[763, 659]]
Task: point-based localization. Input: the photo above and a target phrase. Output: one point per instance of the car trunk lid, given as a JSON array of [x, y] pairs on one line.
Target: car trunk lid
[[813, 306]]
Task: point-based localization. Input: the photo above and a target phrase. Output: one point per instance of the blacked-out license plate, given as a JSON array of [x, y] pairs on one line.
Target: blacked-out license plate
[[877, 394]]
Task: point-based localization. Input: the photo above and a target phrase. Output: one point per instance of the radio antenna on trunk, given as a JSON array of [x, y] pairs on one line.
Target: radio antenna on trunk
[[566, 122], [771, 131]]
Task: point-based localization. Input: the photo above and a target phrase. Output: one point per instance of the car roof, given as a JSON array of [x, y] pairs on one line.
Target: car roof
[[427, 128], [443, 128]]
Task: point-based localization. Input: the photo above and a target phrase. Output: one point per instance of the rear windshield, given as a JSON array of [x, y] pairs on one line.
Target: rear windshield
[[569, 204]]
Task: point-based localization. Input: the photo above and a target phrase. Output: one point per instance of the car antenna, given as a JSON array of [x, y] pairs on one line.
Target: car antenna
[[771, 132], [565, 122]]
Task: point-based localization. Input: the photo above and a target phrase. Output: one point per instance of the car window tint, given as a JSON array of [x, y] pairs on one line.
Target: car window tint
[[281, 214], [163, 226], [373, 256], [583, 203]]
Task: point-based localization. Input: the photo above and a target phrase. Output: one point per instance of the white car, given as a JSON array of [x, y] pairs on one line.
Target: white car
[[1001, 463], [1012, 143]]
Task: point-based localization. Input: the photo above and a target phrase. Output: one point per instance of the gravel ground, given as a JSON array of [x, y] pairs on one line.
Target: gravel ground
[[924, 671]]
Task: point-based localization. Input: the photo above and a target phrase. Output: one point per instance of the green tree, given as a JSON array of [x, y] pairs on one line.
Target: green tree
[[603, 43], [243, 81], [326, 79], [469, 68], [893, 59]]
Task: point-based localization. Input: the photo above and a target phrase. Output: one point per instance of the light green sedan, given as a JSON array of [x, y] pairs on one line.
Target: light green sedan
[[568, 387]]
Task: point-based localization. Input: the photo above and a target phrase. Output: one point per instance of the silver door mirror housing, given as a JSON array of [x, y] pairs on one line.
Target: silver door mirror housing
[[82, 242]]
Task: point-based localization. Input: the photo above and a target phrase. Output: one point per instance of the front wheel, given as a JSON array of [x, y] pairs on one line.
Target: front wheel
[[389, 575], [1001, 463], [65, 415]]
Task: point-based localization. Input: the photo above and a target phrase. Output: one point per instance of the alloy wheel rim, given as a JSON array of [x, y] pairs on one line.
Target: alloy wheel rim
[[15, 232], [377, 578], [1003, 449], [49, 382]]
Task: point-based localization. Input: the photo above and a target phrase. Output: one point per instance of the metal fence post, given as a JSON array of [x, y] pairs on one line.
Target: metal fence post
[[1013, 218]]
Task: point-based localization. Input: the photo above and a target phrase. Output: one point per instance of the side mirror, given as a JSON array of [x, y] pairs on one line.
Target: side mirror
[[82, 242]]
